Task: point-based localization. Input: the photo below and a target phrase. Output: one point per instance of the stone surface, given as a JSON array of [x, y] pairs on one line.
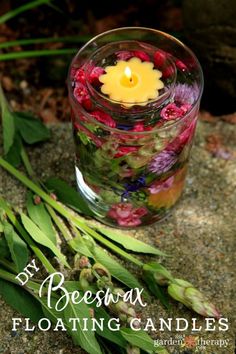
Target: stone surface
[[211, 32], [199, 234]]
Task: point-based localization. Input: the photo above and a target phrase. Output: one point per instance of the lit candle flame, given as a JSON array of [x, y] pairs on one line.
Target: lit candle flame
[[128, 73]]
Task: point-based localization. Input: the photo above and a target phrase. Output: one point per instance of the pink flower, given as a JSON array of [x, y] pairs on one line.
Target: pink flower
[[80, 76], [184, 138], [124, 55], [126, 215], [171, 111], [104, 118], [159, 186], [96, 72], [82, 96]]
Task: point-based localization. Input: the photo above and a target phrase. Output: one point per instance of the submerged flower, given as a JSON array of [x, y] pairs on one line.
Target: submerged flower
[[126, 55], [159, 186], [104, 118], [80, 92], [126, 215], [186, 94], [163, 162], [124, 150], [172, 111], [183, 138], [141, 55], [160, 58], [94, 75], [180, 65]]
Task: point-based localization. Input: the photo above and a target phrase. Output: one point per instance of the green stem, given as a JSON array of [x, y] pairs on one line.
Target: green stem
[[67, 39], [30, 5], [26, 162], [26, 237], [11, 277], [59, 224], [36, 53], [10, 266], [76, 220]]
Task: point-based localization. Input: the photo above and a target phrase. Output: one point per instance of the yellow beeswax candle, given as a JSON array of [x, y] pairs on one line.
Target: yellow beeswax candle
[[131, 82]]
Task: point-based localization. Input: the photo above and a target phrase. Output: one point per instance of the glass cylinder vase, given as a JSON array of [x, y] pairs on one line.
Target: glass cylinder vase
[[131, 157]]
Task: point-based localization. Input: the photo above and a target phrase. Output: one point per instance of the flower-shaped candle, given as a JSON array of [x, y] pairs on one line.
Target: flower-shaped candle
[[131, 82]]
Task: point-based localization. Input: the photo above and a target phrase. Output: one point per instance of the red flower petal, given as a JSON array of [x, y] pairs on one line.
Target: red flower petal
[[80, 76], [160, 58], [104, 118], [124, 150], [141, 55]]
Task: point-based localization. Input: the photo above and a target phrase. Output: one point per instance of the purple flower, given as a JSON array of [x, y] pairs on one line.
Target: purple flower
[[185, 94], [162, 162]]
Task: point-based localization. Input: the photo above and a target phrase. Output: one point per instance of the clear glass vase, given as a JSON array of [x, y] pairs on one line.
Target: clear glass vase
[[131, 159]]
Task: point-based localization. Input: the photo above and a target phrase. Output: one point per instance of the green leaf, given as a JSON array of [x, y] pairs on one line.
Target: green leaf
[[116, 269], [141, 340], [7, 123], [18, 248], [38, 236], [30, 128], [4, 250], [50, 313], [86, 339], [112, 336], [41, 217], [129, 242], [155, 267], [21, 300], [155, 289], [14, 154], [68, 195], [78, 245]]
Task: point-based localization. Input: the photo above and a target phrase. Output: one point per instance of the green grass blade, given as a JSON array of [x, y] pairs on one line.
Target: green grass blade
[[29, 41], [36, 53], [15, 12]]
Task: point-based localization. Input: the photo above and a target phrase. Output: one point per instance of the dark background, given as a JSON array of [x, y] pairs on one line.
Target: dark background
[[206, 26]]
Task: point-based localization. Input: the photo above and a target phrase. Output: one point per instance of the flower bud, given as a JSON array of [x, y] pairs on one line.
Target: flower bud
[[185, 293], [104, 282], [37, 199], [131, 312], [86, 278], [122, 307], [118, 291], [123, 317], [101, 270], [84, 262]]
